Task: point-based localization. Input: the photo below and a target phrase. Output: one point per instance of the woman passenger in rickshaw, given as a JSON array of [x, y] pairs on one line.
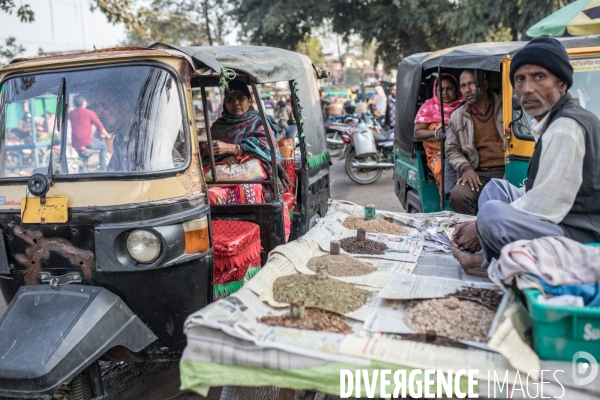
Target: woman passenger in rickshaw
[[428, 120], [240, 132]]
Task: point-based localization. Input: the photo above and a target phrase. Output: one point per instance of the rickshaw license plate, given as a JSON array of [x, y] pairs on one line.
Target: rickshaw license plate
[[54, 210]]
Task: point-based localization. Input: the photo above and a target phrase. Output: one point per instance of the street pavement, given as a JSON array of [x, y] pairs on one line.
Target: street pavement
[[380, 193], [160, 381]]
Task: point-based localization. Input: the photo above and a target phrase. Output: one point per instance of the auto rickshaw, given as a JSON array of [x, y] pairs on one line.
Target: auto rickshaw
[[413, 181], [108, 264]]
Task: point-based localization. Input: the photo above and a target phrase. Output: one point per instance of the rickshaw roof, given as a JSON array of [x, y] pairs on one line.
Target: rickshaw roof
[[487, 56], [261, 63]]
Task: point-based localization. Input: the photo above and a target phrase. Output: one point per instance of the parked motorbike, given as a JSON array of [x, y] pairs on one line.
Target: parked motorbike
[[369, 152]]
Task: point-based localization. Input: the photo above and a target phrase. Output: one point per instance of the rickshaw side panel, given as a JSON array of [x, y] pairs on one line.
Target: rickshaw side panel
[[410, 175]]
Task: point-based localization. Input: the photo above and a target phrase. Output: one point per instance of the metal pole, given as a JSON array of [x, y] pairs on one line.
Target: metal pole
[[263, 118], [442, 141], [208, 134]]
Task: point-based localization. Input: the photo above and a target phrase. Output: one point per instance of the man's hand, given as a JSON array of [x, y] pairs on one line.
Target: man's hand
[[220, 148], [471, 178], [465, 237]]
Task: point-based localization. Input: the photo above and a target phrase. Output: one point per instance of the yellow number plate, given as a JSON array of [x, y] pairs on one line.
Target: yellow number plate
[[53, 212]]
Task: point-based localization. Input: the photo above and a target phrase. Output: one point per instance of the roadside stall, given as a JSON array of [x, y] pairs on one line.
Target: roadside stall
[[397, 304], [414, 183]]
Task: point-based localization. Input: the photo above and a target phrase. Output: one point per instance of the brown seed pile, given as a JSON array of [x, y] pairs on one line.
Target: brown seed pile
[[377, 225], [432, 338], [314, 320], [450, 317], [353, 246], [328, 294], [487, 297], [341, 265]]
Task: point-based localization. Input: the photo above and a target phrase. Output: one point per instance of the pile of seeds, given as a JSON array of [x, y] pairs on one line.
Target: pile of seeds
[[374, 226], [353, 246], [450, 317], [314, 320], [341, 265], [432, 338], [328, 294], [487, 297]]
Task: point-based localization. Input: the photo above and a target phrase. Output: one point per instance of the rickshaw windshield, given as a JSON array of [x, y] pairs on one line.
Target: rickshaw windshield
[[125, 119], [586, 83]]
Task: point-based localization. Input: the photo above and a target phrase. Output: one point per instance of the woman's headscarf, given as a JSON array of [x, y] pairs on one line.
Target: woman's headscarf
[[430, 110], [380, 99]]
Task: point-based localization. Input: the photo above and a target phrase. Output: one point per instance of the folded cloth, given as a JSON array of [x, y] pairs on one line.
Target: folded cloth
[[248, 193], [222, 195], [590, 292], [556, 260]]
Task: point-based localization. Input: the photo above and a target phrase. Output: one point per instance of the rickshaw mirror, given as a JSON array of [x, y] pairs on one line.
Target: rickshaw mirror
[[516, 106]]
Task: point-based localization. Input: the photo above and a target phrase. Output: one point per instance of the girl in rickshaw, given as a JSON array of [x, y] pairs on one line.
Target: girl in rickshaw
[[240, 132], [428, 120]]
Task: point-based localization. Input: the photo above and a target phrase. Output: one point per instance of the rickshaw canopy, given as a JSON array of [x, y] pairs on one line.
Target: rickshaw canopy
[[262, 64], [486, 56]]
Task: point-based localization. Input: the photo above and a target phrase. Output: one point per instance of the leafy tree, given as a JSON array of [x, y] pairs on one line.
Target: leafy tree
[[480, 20], [278, 23], [10, 50], [312, 48], [180, 22], [25, 13]]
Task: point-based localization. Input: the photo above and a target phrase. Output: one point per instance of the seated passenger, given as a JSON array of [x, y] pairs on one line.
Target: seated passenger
[[428, 120], [474, 143], [240, 131]]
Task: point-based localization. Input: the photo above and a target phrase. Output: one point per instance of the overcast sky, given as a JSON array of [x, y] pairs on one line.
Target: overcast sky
[[75, 27]]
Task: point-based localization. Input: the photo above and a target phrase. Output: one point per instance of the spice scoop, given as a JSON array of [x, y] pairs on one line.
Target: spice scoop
[[297, 309]]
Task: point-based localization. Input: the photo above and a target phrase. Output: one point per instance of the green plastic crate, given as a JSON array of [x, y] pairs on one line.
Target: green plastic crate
[[560, 332]]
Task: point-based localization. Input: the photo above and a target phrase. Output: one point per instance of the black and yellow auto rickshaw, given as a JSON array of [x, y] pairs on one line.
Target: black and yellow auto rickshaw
[[414, 184], [108, 264]]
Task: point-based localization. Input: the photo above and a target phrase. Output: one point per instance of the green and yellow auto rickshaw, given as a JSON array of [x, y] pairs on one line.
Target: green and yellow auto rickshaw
[[414, 184], [107, 262]]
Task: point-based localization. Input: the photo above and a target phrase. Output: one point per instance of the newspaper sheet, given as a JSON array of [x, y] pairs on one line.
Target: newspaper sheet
[[407, 286], [237, 315], [388, 317], [427, 356], [508, 333], [300, 251], [400, 248]]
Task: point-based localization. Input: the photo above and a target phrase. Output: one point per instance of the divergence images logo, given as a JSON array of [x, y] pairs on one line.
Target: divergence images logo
[[585, 368]]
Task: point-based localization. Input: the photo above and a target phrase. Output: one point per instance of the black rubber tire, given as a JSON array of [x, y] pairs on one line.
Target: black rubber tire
[[354, 176]]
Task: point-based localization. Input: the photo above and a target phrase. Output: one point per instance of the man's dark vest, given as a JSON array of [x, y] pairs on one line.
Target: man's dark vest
[[582, 223]]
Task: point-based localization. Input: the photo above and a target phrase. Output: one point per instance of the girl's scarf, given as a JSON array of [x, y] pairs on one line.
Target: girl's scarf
[[430, 110]]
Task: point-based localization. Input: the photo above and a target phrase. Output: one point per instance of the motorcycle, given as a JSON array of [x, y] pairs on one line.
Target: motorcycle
[[336, 129], [370, 150]]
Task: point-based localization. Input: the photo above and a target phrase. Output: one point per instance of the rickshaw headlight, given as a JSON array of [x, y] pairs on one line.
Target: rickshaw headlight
[[143, 246]]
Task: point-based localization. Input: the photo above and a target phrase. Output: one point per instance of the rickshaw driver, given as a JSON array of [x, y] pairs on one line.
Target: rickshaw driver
[[140, 145], [563, 182]]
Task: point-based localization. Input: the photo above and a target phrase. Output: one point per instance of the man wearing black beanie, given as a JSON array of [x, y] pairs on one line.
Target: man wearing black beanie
[[562, 189]]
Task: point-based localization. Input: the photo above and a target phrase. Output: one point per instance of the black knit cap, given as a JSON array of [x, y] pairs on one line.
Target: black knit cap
[[546, 52]]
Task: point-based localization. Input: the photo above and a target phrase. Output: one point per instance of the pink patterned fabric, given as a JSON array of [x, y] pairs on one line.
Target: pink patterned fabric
[[430, 110]]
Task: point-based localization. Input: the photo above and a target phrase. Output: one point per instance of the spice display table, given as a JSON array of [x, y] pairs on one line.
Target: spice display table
[[228, 347]]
